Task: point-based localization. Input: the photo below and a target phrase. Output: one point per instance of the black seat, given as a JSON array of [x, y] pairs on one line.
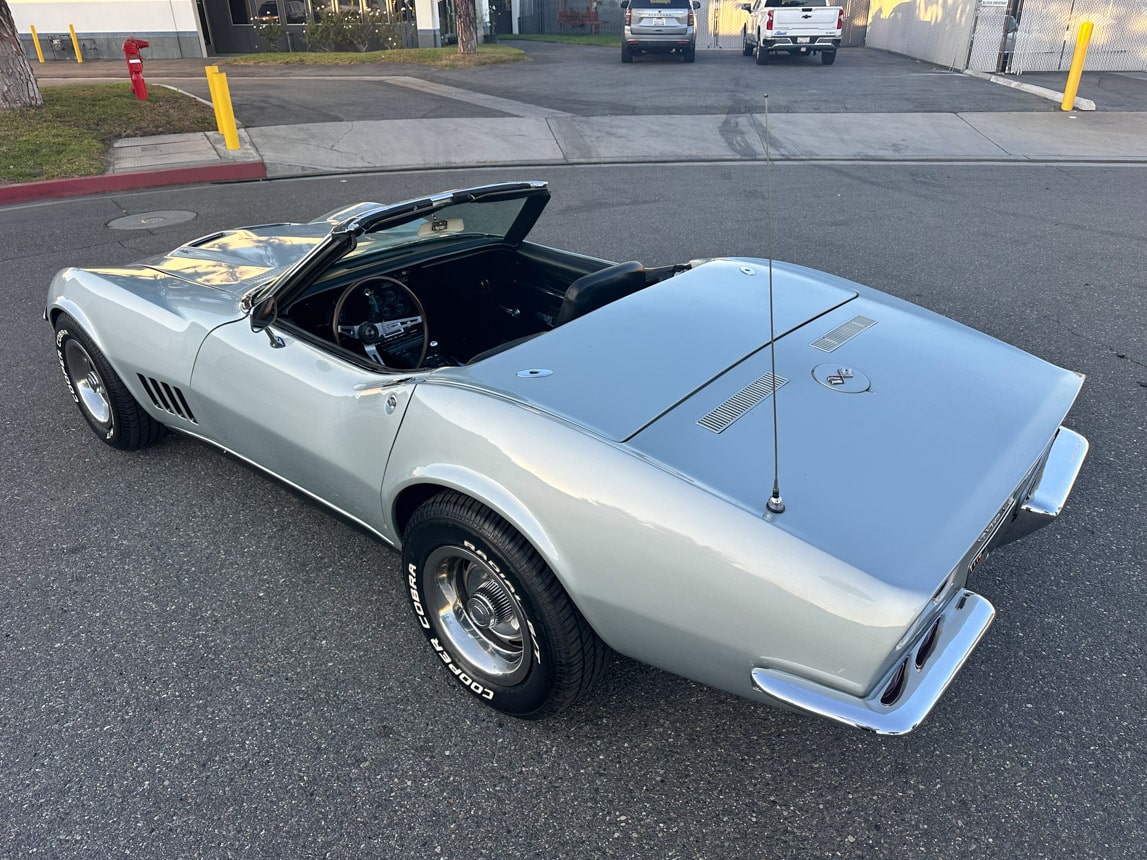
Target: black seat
[[587, 293], [598, 289]]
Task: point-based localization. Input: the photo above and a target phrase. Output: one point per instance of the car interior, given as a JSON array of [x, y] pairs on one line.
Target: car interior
[[451, 309]]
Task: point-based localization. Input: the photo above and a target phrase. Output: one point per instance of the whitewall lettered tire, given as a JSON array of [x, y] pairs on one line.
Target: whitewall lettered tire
[[492, 611]]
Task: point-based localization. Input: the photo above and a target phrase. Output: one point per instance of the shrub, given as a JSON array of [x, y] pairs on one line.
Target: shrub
[[332, 32], [270, 33]]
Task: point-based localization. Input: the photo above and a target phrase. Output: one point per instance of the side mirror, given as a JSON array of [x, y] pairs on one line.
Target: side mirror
[[624, 4], [262, 316], [696, 4], [748, 7]]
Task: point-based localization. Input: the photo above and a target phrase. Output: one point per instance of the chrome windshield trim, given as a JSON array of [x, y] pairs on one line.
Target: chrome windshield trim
[[961, 626]]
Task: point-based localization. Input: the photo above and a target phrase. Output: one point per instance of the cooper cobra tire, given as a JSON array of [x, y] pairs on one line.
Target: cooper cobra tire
[[492, 611], [104, 401]]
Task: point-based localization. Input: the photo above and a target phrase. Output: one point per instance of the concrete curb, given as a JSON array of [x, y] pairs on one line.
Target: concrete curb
[[1043, 92], [50, 189]]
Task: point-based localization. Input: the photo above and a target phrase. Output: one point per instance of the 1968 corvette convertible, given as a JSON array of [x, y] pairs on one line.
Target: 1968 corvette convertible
[[575, 455]]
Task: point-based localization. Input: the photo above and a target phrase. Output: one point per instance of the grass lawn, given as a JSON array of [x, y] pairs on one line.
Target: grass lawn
[[71, 134], [603, 40], [438, 58]]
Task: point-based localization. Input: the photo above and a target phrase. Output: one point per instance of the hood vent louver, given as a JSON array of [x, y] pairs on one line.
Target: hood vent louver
[[167, 397], [842, 334], [721, 418]]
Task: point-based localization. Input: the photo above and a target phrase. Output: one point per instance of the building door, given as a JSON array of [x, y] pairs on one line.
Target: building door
[[204, 27]]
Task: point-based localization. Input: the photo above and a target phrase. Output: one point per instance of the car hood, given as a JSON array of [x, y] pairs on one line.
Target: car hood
[[237, 261], [895, 467]]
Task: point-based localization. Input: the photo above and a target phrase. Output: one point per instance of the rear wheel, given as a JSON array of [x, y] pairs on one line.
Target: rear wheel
[[104, 401], [626, 54], [828, 57], [762, 55], [493, 612], [689, 54]]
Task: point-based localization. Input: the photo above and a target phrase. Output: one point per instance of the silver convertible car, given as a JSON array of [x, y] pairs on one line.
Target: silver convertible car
[[575, 455]]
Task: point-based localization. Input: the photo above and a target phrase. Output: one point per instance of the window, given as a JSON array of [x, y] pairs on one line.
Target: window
[[240, 12]]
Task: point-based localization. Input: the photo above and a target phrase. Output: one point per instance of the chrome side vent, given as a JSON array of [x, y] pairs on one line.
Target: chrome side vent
[[740, 403], [167, 397], [842, 334]]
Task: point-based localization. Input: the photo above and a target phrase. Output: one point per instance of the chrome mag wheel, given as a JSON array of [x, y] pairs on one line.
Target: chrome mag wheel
[[476, 611], [88, 385]]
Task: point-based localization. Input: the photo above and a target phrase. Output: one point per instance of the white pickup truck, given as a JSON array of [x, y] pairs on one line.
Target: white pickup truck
[[792, 26]]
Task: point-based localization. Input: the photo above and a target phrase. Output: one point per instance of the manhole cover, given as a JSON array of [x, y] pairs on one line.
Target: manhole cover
[[151, 220]]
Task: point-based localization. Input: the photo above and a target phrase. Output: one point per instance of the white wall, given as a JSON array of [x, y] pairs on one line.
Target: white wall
[[92, 16], [938, 31]]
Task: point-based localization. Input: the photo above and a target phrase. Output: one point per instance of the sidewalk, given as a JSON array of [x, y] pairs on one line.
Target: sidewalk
[[557, 138], [444, 143]]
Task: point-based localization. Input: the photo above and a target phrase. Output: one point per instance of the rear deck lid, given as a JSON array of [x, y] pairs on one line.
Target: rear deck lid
[[617, 369]]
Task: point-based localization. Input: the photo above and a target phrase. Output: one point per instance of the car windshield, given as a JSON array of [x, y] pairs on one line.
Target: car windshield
[[492, 218]]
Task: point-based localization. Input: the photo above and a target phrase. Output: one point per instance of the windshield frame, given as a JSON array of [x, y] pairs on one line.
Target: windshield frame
[[344, 236]]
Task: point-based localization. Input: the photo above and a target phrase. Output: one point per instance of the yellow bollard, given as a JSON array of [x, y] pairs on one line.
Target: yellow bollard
[[212, 78], [230, 132], [36, 42], [1076, 72], [76, 44]]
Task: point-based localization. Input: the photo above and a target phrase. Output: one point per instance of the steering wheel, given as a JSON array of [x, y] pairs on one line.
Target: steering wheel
[[393, 315]]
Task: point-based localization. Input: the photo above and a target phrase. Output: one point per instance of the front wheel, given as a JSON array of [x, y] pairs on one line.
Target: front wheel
[[746, 48], [106, 404], [828, 57], [493, 612]]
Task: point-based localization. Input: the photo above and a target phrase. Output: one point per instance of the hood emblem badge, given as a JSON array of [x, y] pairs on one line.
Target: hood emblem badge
[[836, 377]]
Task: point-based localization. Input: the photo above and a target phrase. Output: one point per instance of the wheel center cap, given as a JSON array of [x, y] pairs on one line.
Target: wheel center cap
[[481, 610], [489, 605]]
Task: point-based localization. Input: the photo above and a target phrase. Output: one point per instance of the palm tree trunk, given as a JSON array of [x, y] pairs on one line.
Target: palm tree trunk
[[467, 22], [18, 86]]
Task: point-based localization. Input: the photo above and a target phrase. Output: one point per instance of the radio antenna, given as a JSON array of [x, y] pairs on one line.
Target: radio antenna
[[775, 503]]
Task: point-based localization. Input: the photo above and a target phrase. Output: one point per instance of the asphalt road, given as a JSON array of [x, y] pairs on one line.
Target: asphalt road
[[589, 81], [197, 663]]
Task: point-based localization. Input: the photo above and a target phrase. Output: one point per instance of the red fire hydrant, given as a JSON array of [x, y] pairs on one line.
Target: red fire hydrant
[[131, 46]]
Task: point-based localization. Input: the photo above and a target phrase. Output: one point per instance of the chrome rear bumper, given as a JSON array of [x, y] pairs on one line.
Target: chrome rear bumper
[[928, 669], [1048, 495]]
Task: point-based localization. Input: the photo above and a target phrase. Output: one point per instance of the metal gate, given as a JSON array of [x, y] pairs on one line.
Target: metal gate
[[720, 23], [1045, 34]]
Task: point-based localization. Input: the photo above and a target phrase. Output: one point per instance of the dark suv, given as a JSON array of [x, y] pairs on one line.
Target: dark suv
[[659, 27]]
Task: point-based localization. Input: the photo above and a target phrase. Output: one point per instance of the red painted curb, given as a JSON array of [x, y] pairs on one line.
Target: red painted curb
[[55, 188]]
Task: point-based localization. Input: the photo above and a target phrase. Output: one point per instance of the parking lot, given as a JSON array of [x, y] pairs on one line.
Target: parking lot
[[198, 663]]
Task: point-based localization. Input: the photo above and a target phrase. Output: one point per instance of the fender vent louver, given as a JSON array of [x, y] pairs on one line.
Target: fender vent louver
[[842, 334], [724, 415], [167, 397]]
